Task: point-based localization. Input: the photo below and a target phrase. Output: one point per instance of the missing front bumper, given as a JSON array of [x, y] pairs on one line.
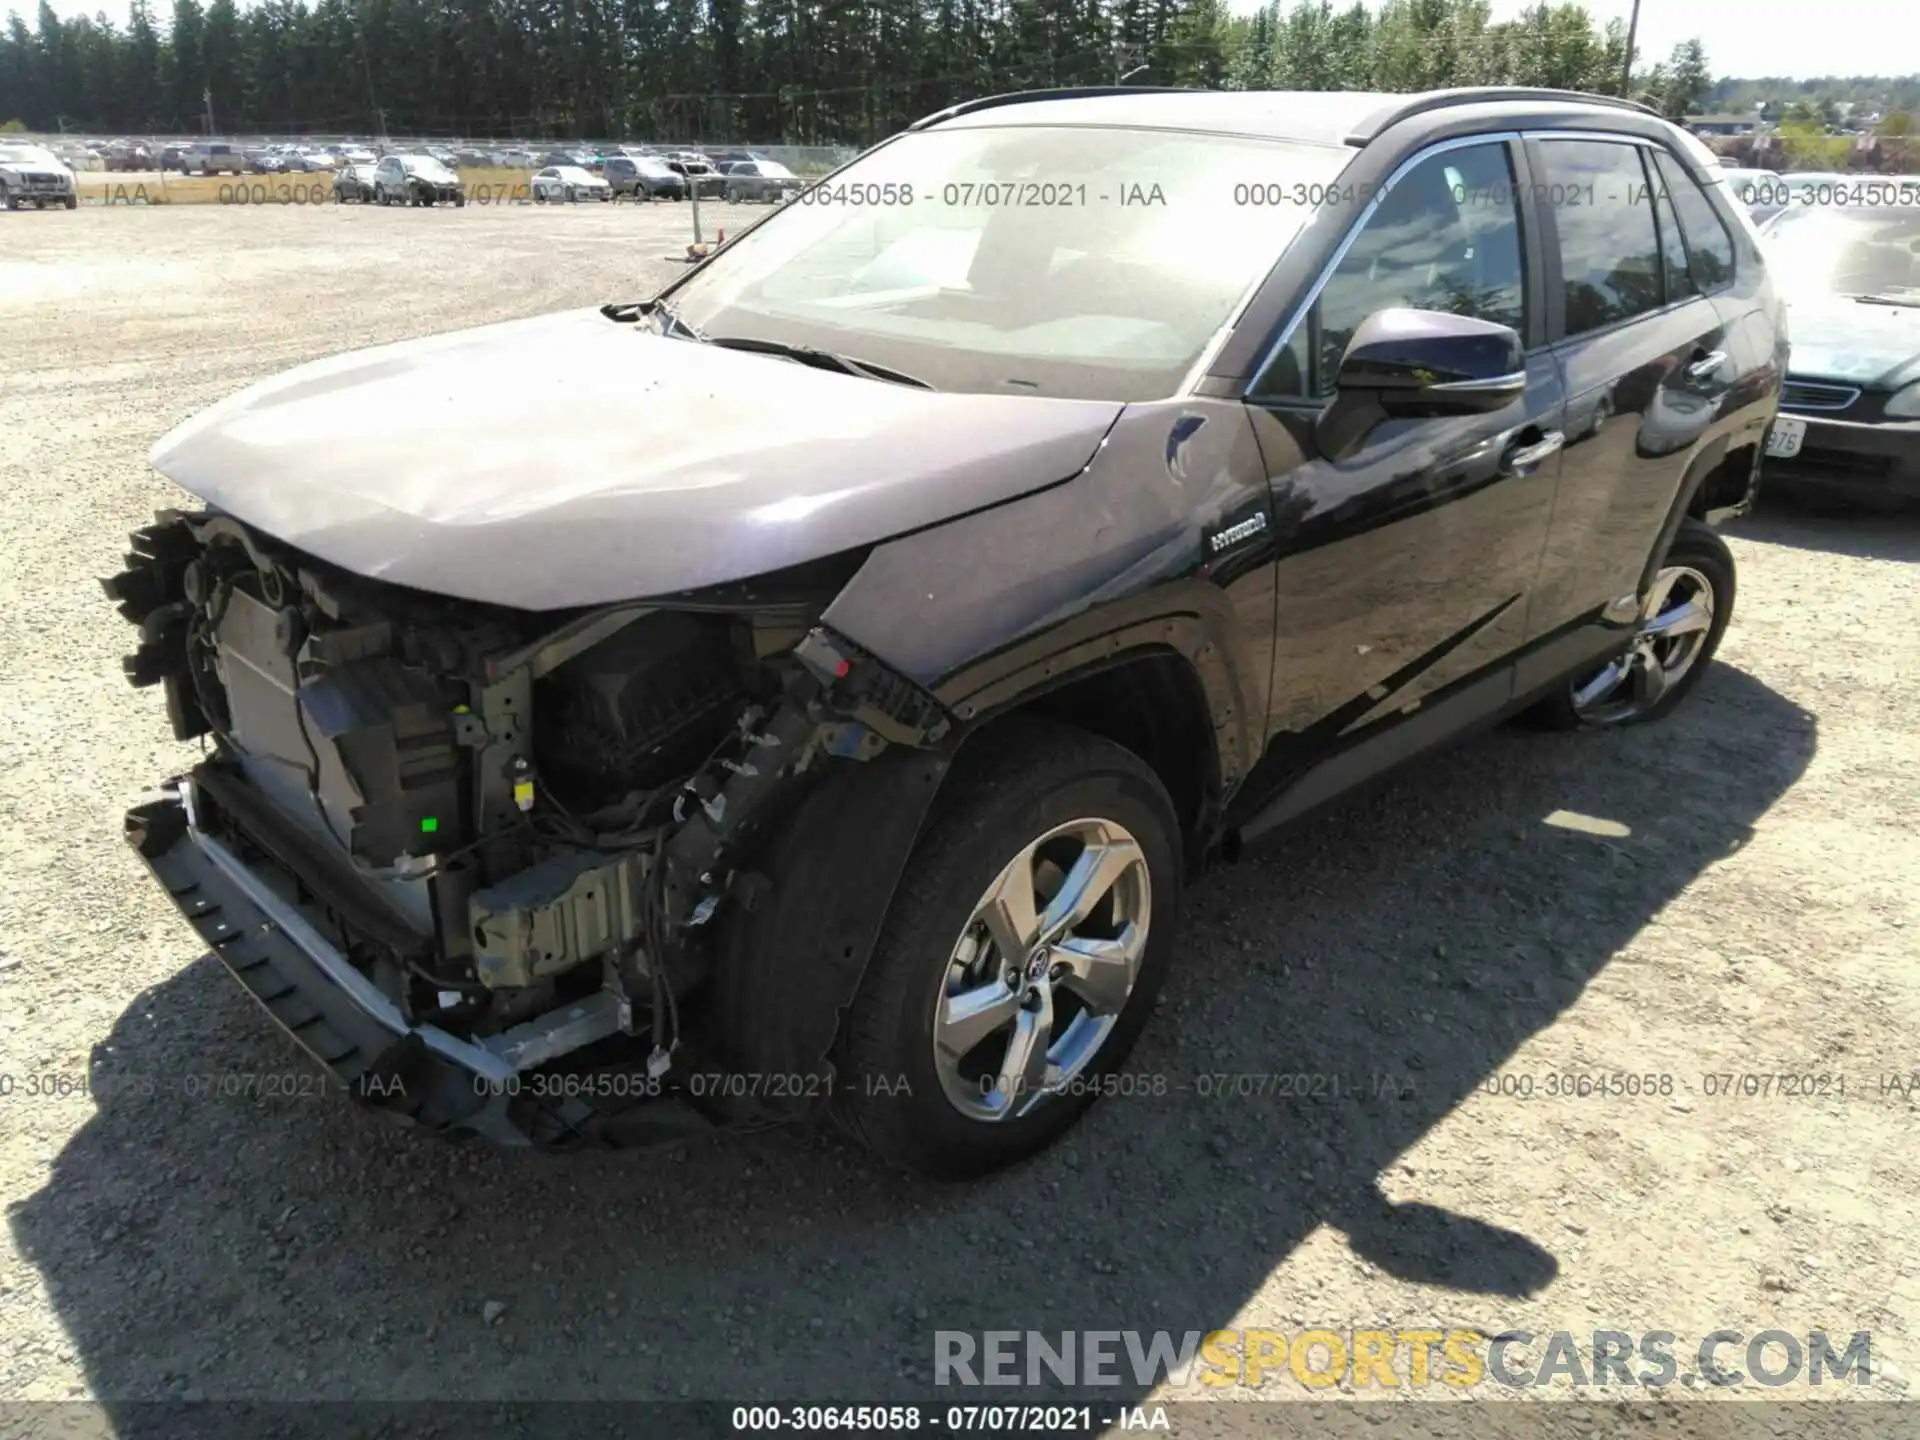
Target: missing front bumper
[[420, 1074]]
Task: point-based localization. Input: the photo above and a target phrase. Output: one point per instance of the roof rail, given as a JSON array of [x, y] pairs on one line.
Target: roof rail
[[1022, 97], [1474, 95]]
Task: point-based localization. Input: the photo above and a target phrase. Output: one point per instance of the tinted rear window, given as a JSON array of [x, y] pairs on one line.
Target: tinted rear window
[[1601, 205], [1709, 246]]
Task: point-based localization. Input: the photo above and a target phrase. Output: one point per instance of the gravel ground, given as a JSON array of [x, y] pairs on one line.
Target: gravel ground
[[1753, 906]]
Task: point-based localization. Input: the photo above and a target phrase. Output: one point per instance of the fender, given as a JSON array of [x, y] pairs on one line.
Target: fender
[[1160, 543], [1104, 640]]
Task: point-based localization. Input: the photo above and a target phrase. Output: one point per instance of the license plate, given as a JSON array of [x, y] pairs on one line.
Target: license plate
[[1784, 440]]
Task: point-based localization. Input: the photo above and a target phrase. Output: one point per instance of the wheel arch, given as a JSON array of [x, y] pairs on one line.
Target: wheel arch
[[790, 958], [1725, 489], [1712, 474], [1149, 698]]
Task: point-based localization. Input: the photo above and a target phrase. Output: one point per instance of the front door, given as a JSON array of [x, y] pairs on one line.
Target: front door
[[1405, 571]]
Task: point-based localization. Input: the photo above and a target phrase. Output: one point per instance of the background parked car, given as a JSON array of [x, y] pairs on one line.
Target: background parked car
[[699, 175], [416, 179], [569, 183], [34, 175], [572, 155], [644, 179], [212, 158], [125, 155], [767, 180], [353, 182], [1849, 422], [1761, 192]]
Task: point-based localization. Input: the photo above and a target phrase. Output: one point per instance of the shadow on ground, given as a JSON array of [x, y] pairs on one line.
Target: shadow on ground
[[1403, 943]]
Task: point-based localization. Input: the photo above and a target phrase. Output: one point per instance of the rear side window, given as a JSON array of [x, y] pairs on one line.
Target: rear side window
[[1445, 236], [1709, 246], [1673, 245], [1602, 209]]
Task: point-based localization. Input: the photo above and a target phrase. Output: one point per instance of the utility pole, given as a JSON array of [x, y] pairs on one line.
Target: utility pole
[[1626, 71], [207, 95]]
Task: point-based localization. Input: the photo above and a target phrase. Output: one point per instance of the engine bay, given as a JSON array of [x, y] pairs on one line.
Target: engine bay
[[498, 815]]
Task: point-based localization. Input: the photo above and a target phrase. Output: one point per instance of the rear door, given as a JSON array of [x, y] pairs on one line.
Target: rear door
[[1404, 571], [1647, 367]]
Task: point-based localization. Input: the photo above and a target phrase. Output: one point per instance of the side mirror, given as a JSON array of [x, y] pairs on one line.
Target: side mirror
[[1420, 364]]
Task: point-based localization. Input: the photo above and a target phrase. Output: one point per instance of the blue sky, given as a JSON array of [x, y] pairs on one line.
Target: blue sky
[[1834, 37]]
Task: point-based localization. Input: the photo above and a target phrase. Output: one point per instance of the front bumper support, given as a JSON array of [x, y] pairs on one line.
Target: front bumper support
[[420, 1073]]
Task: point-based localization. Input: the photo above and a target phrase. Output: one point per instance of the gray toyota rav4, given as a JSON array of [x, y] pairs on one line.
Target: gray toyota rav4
[[1070, 488]]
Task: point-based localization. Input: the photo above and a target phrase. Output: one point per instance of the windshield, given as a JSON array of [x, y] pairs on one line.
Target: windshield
[[1090, 264], [427, 168], [652, 168], [28, 155], [1866, 250], [770, 169]]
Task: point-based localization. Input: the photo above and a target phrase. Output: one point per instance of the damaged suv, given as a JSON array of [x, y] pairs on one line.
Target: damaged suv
[[1072, 486]]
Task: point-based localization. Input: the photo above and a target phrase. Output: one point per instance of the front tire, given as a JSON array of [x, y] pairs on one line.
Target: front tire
[[1020, 957], [1683, 617]]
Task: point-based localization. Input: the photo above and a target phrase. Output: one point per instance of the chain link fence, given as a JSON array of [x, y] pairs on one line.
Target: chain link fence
[[97, 152]]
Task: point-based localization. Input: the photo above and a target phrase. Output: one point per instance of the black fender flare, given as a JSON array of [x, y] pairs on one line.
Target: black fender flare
[[790, 960]]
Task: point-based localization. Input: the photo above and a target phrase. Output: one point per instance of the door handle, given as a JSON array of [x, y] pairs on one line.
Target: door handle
[[1522, 458], [1707, 364]]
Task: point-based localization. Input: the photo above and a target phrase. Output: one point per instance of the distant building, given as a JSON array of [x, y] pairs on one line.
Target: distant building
[[1721, 124]]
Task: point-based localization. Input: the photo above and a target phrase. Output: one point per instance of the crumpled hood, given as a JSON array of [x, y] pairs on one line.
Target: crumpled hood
[[569, 460], [1861, 344]]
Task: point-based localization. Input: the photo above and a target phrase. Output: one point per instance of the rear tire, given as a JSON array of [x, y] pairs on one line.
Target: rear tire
[[1032, 799], [1693, 588]]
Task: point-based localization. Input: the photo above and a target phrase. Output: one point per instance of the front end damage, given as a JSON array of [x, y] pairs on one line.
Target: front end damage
[[603, 875]]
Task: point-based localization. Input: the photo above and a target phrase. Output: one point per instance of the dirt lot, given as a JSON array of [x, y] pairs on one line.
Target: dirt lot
[[1755, 907]]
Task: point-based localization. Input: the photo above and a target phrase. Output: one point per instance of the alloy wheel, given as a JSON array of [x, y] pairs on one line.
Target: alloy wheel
[[1675, 620], [1042, 970]]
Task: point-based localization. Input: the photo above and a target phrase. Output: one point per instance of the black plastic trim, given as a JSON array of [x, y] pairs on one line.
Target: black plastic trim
[[1384, 119]]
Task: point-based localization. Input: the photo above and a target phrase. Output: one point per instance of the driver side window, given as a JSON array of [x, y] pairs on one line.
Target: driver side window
[[1445, 236]]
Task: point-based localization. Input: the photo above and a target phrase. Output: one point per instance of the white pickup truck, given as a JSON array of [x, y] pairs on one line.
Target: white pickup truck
[[215, 158], [31, 175]]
